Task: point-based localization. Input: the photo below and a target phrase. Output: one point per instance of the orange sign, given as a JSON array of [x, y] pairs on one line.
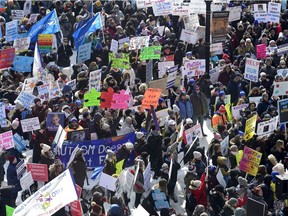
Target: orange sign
[[151, 98]]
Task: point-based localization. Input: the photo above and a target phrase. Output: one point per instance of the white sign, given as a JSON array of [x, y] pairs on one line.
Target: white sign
[[107, 182], [11, 30], [193, 132], [163, 66], [54, 90], [267, 127], [180, 8], [139, 42], [162, 8], [26, 99], [3, 121], [251, 69], [236, 110], [50, 198], [280, 88], [17, 14], [198, 7], [26, 181], [30, 124], [193, 68], [147, 177], [220, 178], [114, 46], [235, 13], [21, 44], [191, 22], [255, 99], [224, 146], [95, 80], [43, 92], [282, 72], [60, 137], [189, 36], [171, 77], [216, 48], [84, 52], [122, 41], [260, 12], [140, 211], [274, 12]]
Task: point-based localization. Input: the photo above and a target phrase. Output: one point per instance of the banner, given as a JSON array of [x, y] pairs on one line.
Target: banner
[[39, 171], [250, 128], [17, 14], [274, 12], [266, 128], [283, 111], [219, 26], [193, 68], [84, 52], [261, 51], [6, 140], [50, 198], [11, 30], [251, 69], [149, 72], [189, 36], [26, 99], [149, 53], [95, 150], [21, 44], [280, 88], [30, 124], [151, 98], [138, 42], [45, 42], [250, 161], [23, 63], [119, 60], [95, 80], [6, 57]]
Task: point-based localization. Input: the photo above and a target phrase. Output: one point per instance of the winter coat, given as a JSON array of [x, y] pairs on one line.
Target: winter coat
[[233, 89], [139, 183], [217, 201], [200, 167], [227, 210], [79, 171], [2, 171], [233, 161], [200, 194], [186, 110], [64, 54], [262, 107], [12, 175], [199, 103], [110, 167]]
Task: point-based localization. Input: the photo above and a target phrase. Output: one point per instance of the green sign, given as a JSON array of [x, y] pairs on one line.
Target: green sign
[[152, 52]]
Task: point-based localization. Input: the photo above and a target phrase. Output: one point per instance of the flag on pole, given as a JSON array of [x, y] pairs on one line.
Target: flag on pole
[[37, 66]]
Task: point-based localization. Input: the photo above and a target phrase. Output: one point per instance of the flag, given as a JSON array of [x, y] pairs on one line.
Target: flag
[[96, 172], [119, 167], [47, 25], [91, 26], [9, 210], [37, 66], [50, 198]]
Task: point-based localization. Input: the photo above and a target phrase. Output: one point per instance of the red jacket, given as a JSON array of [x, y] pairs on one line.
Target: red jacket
[[200, 194]]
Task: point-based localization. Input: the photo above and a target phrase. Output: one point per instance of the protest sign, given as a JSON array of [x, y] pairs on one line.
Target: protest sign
[[219, 26], [171, 77], [20, 168], [198, 7], [26, 181], [261, 51], [216, 48], [107, 181], [251, 69], [149, 53], [138, 42], [43, 92], [50, 198], [60, 137], [266, 128], [39, 171], [19, 142], [6, 140], [122, 41], [45, 42], [21, 44], [193, 68], [220, 178], [147, 177], [119, 60], [144, 3], [151, 98], [33, 18], [255, 99], [282, 72], [95, 150], [193, 132], [17, 14], [234, 13], [120, 101], [54, 90], [214, 74], [54, 120], [3, 122], [250, 128], [162, 8], [260, 12], [280, 88], [9, 210], [6, 57], [180, 8], [159, 83], [114, 46], [11, 30], [23, 63], [30, 124], [283, 111], [149, 72], [163, 67], [72, 84], [92, 98], [224, 146], [76, 208], [237, 109], [274, 12], [256, 207], [27, 7], [84, 52], [95, 80], [29, 84], [2, 5], [189, 36], [282, 49], [191, 21], [140, 211], [250, 161]]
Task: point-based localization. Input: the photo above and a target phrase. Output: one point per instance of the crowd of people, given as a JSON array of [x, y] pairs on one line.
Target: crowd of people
[[194, 101]]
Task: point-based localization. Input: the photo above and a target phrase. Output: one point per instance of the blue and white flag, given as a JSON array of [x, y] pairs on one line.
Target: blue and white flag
[[47, 25], [91, 26], [171, 77]]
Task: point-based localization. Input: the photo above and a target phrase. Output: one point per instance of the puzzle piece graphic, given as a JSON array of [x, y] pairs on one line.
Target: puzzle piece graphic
[[92, 98], [106, 98], [120, 101]]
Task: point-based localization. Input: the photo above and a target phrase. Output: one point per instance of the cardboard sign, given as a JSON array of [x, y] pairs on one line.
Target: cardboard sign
[[21, 44], [193, 68], [224, 146], [236, 110], [189, 36], [162, 68], [151, 98], [250, 161], [107, 182], [280, 88], [266, 128], [23, 63], [274, 12], [149, 72], [6, 140], [45, 42], [6, 57], [283, 111], [139, 42], [30, 124], [235, 13], [251, 70], [26, 181], [17, 14], [261, 51], [149, 53], [39, 171], [84, 52], [11, 30], [95, 80], [250, 128]]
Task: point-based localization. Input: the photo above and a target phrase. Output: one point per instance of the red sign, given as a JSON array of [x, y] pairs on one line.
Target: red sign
[[75, 206], [6, 57], [39, 171]]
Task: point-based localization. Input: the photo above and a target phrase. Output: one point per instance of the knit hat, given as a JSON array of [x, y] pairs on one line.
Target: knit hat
[[45, 147], [212, 168], [239, 212], [221, 93], [242, 93], [15, 123], [197, 155], [129, 145], [10, 158], [217, 137], [139, 135], [165, 166], [73, 120], [222, 109], [199, 209], [242, 181], [110, 153], [233, 202], [105, 126], [175, 108], [160, 101], [195, 184], [18, 105], [189, 121], [171, 122], [114, 210], [191, 168], [85, 115]]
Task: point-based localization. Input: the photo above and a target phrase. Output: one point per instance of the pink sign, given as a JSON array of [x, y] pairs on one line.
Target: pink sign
[[120, 101], [261, 51], [6, 140], [39, 171]]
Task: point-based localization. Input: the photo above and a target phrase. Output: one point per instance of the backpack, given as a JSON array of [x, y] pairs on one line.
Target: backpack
[[191, 202]]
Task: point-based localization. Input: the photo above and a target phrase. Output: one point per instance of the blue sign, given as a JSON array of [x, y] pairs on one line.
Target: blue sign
[[23, 63], [20, 143], [95, 150]]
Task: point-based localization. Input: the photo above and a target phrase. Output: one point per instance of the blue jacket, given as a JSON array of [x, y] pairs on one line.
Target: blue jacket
[[186, 110], [12, 175]]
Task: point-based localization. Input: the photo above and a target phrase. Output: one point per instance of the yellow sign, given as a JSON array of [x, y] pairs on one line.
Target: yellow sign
[[250, 128]]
